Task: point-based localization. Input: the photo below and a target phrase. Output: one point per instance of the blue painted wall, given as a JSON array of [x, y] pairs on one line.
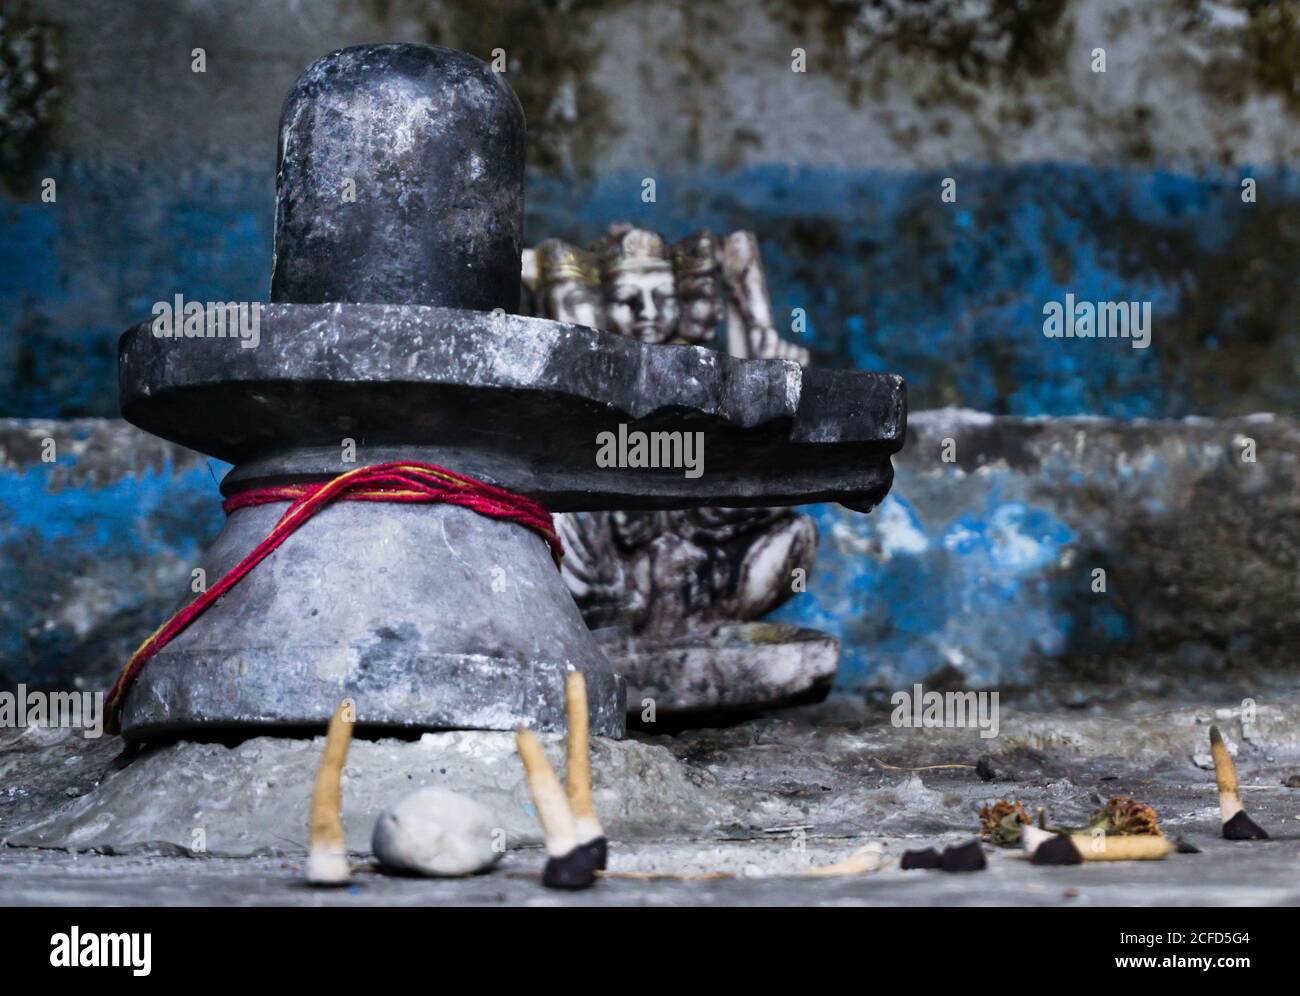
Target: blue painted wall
[[949, 295]]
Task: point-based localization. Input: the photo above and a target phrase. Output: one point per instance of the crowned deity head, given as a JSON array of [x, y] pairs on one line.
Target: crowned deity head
[[696, 269], [568, 284], [637, 280]]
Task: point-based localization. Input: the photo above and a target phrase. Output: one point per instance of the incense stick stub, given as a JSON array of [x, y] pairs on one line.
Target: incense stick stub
[[327, 860], [548, 796], [1046, 847], [591, 835], [1225, 774], [569, 866], [1236, 824]]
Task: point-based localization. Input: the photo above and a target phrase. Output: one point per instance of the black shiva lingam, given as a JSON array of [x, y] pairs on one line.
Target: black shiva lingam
[[388, 337]]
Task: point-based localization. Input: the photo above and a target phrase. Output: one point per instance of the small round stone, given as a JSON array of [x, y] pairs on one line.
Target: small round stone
[[433, 831]]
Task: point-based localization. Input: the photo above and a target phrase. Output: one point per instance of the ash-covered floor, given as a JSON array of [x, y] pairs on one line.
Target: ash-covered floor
[[760, 802]]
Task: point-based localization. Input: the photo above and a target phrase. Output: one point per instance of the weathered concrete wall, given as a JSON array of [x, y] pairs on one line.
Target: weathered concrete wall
[[1122, 185], [981, 567], [96, 547], [1116, 186], [978, 570], [889, 84]]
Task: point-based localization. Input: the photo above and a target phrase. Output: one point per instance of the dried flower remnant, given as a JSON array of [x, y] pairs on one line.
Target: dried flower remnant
[[1125, 815], [1000, 822], [568, 865]]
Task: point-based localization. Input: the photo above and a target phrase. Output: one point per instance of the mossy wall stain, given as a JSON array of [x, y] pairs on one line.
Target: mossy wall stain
[[548, 46], [32, 87], [1273, 46], [1001, 41], [1261, 50]]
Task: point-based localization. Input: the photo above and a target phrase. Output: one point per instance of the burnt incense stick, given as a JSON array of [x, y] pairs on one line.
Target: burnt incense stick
[[327, 859], [1236, 824], [1044, 847], [1122, 847], [1225, 774], [568, 866], [591, 835]]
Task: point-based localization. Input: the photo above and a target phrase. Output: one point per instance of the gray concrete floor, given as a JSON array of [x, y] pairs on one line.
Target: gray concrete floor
[[831, 770], [1251, 874]]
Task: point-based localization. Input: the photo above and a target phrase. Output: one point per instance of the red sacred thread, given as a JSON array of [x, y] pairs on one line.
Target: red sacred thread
[[396, 481]]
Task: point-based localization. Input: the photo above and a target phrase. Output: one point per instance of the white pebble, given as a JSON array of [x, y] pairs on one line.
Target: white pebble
[[436, 832]]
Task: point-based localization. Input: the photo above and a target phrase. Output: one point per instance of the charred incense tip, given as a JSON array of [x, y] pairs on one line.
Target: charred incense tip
[[1225, 774], [327, 862], [963, 857], [1057, 849], [1032, 838], [922, 859], [575, 870], [1242, 827], [598, 848], [955, 858], [548, 797]]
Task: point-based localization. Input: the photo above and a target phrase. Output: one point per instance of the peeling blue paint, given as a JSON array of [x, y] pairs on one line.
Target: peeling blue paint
[[93, 560], [908, 598], [949, 295], [136, 513]]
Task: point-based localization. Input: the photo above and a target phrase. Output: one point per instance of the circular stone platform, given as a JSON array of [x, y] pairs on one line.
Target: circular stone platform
[[738, 667]]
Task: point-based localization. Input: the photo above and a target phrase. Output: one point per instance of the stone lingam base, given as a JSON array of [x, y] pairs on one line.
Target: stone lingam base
[[433, 617], [430, 616], [388, 338]]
